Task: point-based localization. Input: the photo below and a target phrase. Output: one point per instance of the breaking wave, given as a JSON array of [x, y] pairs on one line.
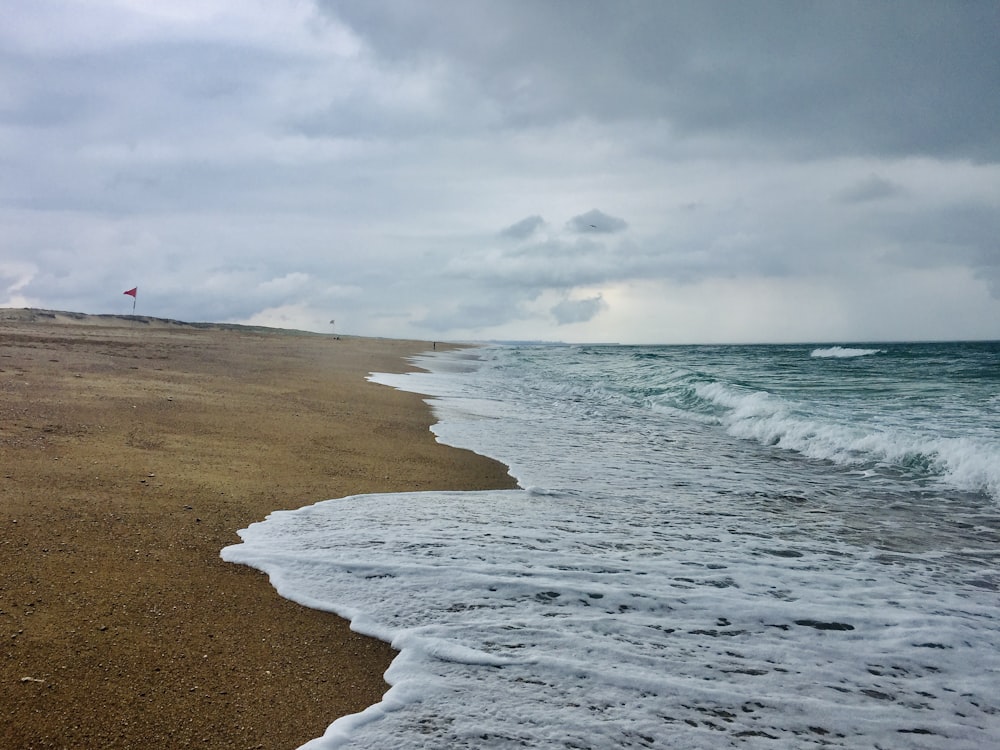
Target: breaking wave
[[966, 463], [842, 352]]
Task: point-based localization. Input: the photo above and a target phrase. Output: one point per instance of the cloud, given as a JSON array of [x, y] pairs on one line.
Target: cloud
[[822, 79], [577, 310], [15, 276], [560, 262], [290, 283], [597, 221], [310, 160], [294, 316], [524, 228], [494, 308], [872, 188]]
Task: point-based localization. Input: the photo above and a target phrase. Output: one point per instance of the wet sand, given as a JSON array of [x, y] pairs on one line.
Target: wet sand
[[130, 453]]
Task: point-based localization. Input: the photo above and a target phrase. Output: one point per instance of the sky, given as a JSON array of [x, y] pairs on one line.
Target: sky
[[637, 171]]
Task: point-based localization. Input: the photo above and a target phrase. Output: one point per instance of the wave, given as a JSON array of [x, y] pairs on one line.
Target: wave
[[965, 463], [842, 352], [889, 426]]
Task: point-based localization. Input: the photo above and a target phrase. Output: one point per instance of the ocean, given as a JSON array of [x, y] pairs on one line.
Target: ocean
[[714, 546]]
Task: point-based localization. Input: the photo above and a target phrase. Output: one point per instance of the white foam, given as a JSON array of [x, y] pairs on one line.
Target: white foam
[[522, 619], [843, 351]]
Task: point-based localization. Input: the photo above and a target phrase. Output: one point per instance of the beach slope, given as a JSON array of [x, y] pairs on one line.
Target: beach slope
[[131, 451]]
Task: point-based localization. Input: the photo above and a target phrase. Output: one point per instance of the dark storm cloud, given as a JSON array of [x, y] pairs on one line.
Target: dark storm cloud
[[893, 78]]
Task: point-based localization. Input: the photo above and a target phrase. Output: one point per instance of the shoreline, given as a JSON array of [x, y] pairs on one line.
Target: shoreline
[[130, 456]]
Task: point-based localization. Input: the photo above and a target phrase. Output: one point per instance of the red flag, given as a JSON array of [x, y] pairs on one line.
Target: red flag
[[132, 292]]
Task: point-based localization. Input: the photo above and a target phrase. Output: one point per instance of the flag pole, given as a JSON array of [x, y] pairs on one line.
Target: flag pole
[[134, 294]]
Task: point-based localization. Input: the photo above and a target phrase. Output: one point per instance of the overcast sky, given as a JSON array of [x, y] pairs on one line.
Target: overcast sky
[[640, 171]]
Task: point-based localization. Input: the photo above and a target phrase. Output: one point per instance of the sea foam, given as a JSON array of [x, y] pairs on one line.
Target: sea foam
[[534, 622], [842, 352]]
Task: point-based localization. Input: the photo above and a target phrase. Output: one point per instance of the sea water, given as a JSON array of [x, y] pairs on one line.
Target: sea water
[[720, 546]]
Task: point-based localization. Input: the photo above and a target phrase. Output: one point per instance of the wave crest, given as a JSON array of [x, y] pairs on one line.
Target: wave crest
[[842, 352], [962, 462]]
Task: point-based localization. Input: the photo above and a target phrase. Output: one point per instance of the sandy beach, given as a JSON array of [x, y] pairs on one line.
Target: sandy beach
[[130, 453]]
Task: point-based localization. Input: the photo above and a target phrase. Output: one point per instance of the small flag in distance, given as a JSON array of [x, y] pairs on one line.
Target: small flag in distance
[[132, 292]]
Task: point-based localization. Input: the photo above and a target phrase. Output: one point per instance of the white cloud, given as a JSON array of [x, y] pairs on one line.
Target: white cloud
[[293, 316], [14, 277], [287, 284], [69, 28]]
